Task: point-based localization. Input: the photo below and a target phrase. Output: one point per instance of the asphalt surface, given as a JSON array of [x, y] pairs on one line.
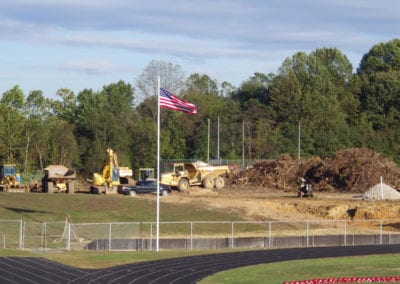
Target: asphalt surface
[[179, 270]]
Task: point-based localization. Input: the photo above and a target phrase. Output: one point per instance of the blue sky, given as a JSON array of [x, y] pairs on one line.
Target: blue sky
[[51, 44]]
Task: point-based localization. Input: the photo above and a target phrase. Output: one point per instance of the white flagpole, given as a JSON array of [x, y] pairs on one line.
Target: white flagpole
[[158, 165]]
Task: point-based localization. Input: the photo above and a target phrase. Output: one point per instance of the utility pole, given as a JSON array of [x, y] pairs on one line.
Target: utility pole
[[218, 141], [243, 144], [208, 141], [298, 150]]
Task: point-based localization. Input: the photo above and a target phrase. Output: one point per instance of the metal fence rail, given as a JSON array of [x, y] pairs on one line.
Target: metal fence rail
[[138, 236]]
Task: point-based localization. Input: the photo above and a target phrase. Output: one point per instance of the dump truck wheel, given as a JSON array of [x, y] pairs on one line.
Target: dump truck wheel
[[183, 185], [94, 190], [219, 182], [208, 183]]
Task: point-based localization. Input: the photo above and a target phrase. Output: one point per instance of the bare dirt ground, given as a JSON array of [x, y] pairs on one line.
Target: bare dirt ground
[[268, 190], [264, 204]]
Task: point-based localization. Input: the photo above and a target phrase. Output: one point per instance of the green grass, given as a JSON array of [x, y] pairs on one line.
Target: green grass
[[374, 266], [88, 208]]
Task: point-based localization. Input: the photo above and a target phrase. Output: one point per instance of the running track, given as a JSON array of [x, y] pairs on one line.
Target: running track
[[179, 270]]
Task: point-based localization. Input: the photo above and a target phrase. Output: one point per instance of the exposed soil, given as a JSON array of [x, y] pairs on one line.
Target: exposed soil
[[261, 204], [268, 190]]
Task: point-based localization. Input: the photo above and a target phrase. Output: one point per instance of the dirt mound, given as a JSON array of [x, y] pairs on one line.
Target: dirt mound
[[351, 170], [381, 191]]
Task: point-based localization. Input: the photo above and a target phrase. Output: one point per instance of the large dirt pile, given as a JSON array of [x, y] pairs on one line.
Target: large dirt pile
[[351, 170]]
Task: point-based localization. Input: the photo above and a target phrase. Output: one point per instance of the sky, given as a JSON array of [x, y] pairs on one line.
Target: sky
[[87, 44]]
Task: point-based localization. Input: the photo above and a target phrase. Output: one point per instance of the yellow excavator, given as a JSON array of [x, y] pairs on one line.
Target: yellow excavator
[[108, 181]]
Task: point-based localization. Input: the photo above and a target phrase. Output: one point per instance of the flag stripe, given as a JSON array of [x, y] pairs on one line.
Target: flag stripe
[[169, 100]]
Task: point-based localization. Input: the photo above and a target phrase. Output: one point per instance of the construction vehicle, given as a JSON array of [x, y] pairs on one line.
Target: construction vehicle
[[9, 179], [111, 176], [146, 174], [305, 189], [58, 179], [197, 173]]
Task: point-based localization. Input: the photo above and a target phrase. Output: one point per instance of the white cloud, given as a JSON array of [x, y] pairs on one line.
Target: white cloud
[[231, 39], [89, 66]]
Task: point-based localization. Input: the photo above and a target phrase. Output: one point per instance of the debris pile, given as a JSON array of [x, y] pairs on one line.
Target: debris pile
[[350, 170], [278, 173], [381, 191]]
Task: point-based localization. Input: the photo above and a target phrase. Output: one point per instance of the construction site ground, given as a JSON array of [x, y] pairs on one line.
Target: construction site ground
[[254, 203], [346, 186]]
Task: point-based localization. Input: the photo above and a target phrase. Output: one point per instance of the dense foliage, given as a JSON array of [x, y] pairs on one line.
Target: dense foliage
[[316, 95]]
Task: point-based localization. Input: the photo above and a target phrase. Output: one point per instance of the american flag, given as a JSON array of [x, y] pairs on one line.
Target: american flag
[[169, 100]]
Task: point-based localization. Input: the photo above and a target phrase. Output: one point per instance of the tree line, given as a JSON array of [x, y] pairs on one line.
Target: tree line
[[316, 97]]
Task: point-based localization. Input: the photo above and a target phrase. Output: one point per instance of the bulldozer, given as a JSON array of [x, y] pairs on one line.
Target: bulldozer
[[10, 180], [107, 182], [185, 175], [58, 179]]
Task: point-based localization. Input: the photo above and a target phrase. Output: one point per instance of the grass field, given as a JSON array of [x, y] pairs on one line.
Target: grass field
[[89, 208], [82, 208], [374, 265]]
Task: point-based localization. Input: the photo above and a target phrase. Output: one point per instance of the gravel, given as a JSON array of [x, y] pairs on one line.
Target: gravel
[[381, 191]]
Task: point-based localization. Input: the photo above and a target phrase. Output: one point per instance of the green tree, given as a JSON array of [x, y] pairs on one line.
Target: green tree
[[36, 115], [203, 91], [104, 119], [12, 105], [380, 94], [256, 87], [311, 90]]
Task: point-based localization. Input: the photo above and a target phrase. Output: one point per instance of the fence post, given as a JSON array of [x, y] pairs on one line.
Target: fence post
[[109, 237], [345, 233], [307, 232], [43, 239], [381, 232], [151, 236], [21, 234], [270, 234], [191, 235], [69, 236], [232, 233]]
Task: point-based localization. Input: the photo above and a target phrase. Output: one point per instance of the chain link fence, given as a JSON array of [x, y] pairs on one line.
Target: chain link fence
[[140, 236]]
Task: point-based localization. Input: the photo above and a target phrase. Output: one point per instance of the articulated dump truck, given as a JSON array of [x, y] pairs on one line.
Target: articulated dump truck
[[197, 173], [58, 179]]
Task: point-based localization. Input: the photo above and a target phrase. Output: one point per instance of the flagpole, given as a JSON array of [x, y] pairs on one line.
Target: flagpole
[[158, 165]]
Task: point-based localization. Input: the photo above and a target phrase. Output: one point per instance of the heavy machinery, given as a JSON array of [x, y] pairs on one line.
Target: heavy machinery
[[197, 173], [305, 189], [111, 176], [9, 179], [146, 174], [58, 179]]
